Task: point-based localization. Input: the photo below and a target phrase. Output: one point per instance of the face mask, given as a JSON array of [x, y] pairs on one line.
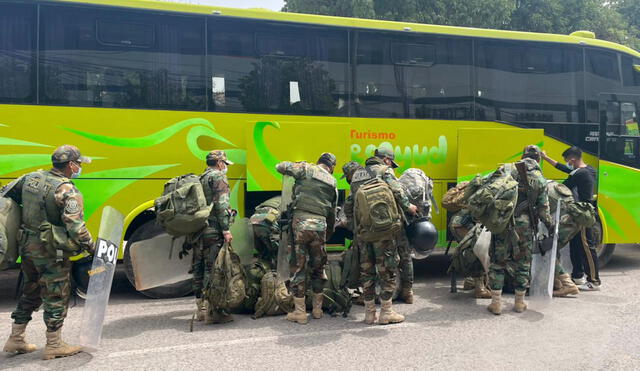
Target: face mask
[[570, 166], [75, 174]]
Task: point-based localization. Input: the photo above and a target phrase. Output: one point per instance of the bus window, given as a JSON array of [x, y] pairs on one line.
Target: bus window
[[267, 68], [631, 73], [602, 75], [108, 58], [528, 83], [17, 57], [622, 133], [412, 76]]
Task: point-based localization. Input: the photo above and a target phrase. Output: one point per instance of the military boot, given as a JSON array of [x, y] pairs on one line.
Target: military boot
[[16, 343], [299, 314], [57, 348], [496, 302], [216, 316], [370, 312], [520, 306], [557, 284], [469, 283], [480, 290], [568, 287], [406, 295], [317, 305], [201, 309], [387, 314]]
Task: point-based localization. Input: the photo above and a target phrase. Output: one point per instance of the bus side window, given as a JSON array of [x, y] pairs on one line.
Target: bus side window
[[17, 53]]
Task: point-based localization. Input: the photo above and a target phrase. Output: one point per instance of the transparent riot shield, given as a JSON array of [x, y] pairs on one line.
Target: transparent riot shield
[[543, 266], [156, 262], [101, 277], [284, 250], [243, 243]]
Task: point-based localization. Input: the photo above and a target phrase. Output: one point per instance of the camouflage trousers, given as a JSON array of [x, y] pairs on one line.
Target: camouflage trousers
[[405, 269], [205, 247], [308, 254], [266, 242], [513, 254], [47, 283], [383, 257]]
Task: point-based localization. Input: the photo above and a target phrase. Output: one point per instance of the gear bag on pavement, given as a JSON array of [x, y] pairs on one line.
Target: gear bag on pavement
[[274, 297], [226, 289], [377, 214], [492, 200], [337, 299], [454, 200], [182, 209]]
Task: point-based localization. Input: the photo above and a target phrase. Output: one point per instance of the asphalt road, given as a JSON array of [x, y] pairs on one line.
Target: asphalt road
[[596, 330]]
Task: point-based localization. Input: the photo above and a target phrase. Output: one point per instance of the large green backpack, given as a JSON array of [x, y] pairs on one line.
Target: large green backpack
[[573, 215], [492, 200], [377, 214], [253, 276], [182, 209], [337, 299], [274, 298], [10, 220], [226, 288]]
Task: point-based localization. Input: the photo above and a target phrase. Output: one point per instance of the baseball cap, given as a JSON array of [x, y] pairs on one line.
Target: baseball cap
[[386, 152], [328, 158], [218, 155], [67, 153], [349, 168]]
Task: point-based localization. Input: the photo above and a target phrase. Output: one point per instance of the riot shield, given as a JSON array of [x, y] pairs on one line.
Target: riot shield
[[156, 262], [101, 277], [543, 266], [284, 250], [243, 243], [10, 220]]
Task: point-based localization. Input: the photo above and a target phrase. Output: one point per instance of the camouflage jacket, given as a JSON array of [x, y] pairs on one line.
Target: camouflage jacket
[[68, 203], [386, 174], [217, 191], [538, 188]]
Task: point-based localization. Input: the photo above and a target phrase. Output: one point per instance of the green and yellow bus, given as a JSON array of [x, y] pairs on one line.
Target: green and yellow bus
[[147, 88]]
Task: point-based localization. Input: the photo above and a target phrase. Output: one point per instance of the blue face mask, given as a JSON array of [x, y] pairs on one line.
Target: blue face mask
[[76, 174], [570, 166]]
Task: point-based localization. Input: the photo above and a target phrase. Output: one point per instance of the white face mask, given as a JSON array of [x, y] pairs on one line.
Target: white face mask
[[75, 174], [570, 166]]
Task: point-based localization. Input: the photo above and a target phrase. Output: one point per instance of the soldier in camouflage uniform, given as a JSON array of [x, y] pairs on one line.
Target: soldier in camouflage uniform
[[314, 214], [266, 230], [348, 170], [380, 255], [208, 242], [48, 199], [512, 249]]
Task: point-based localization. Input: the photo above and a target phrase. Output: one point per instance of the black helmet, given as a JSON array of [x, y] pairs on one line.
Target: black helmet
[[328, 159], [423, 235]]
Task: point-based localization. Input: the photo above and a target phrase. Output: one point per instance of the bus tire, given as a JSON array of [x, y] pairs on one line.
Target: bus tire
[[604, 250], [148, 230]]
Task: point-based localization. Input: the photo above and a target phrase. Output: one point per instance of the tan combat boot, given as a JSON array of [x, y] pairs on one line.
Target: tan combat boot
[[217, 316], [57, 348], [299, 314], [317, 305], [387, 314], [406, 295], [520, 306], [557, 284], [480, 290], [370, 312], [496, 302], [469, 283], [201, 309], [16, 343], [568, 287]]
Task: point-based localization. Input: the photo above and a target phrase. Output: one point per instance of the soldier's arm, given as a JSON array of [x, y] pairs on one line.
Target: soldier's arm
[[294, 169], [221, 204], [542, 205], [348, 211], [71, 204], [398, 191]]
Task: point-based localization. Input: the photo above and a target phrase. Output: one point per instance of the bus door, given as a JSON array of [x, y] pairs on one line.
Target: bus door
[[619, 167], [482, 150]]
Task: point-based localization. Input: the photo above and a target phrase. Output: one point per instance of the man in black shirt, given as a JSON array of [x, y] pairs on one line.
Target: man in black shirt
[[581, 181]]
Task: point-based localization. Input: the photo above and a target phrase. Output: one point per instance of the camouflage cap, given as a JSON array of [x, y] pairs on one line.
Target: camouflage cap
[[328, 159], [349, 168], [532, 151], [386, 152], [218, 155], [66, 153]]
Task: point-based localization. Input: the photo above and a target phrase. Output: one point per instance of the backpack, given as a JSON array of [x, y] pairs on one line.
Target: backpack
[[253, 274], [182, 209], [464, 261], [573, 215], [492, 200], [274, 297], [10, 221], [337, 299], [377, 214], [453, 200], [226, 287], [419, 189], [351, 268]]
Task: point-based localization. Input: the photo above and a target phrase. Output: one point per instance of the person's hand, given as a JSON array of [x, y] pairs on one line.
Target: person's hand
[[413, 209], [228, 237], [544, 155]]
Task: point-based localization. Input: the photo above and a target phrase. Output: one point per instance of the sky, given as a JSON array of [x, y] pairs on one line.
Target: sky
[[267, 4]]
